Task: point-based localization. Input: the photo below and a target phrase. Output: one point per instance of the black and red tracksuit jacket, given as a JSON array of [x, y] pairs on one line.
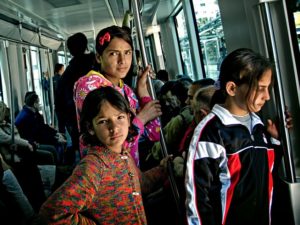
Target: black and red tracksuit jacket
[[229, 172]]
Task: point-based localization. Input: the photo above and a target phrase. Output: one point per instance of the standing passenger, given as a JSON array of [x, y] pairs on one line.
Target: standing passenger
[[58, 71], [80, 64], [114, 54], [106, 186], [230, 163]]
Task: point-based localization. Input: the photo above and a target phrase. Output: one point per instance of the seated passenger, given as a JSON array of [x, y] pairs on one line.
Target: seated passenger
[[177, 126], [173, 96], [168, 110], [21, 156], [176, 131], [20, 146], [14, 205], [32, 127], [200, 107]]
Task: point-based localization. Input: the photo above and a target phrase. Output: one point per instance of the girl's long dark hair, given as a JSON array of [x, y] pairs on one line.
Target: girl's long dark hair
[[242, 66]]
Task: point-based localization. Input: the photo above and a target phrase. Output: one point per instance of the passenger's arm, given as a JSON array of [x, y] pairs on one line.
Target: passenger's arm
[[149, 111], [272, 126], [155, 176], [202, 183], [142, 86], [205, 177], [4, 137], [171, 133]]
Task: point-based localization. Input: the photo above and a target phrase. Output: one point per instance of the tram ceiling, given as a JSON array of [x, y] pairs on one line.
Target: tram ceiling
[[67, 17]]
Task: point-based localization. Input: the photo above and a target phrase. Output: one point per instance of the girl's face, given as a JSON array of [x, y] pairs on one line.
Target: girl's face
[[111, 127], [171, 100], [261, 94], [191, 92], [116, 60], [257, 98]]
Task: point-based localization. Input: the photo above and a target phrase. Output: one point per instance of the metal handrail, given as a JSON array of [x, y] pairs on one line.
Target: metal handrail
[[272, 48], [164, 150]]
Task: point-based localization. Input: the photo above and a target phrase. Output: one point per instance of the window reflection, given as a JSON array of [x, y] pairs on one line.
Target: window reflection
[[211, 36], [184, 44], [27, 68], [36, 73], [297, 25]]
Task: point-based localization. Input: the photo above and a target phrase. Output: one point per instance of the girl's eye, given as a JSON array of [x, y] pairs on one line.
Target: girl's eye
[[113, 53], [121, 117], [261, 89], [129, 52], [101, 122]]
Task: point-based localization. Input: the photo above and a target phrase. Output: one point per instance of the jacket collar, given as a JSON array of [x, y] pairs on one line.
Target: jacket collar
[[227, 118]]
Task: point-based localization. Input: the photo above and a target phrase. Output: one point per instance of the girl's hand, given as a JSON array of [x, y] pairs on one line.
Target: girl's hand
[[150, 111], [30, 147], [164, 162], [142, 88], [4, 165], [272, 128], [288, 118]]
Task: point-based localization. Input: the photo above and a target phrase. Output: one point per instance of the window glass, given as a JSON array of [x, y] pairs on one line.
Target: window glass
[[36, 73], [62, 58], [184, 44], [26, 58], [211, 36], [1, 91], [297, 24]]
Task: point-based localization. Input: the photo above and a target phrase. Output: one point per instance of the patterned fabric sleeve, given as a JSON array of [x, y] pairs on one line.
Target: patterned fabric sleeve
[[67, 204]]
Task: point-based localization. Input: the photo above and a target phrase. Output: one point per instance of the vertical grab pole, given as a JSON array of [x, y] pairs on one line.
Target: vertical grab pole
[[288, 154], [138, 27], [51, 103], [11, 99], [139, 31]]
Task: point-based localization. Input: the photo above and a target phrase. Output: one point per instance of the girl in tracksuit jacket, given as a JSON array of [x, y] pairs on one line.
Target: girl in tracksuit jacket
[[231, 160]]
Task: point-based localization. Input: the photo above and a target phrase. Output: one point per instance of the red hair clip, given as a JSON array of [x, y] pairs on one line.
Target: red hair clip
[[105, 37]]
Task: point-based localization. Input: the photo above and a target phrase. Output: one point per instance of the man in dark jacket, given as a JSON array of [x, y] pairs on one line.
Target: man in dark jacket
[[31, 125], [80, 65]]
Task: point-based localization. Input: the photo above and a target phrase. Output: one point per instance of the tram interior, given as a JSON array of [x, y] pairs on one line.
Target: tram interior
[[178, 38]]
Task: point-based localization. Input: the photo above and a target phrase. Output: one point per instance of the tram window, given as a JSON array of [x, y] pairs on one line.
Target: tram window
[[62, 58], [211, 36], [1, 91], [36, 73], [3, 76], [297, 25], [27, 68], [184, 44]]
